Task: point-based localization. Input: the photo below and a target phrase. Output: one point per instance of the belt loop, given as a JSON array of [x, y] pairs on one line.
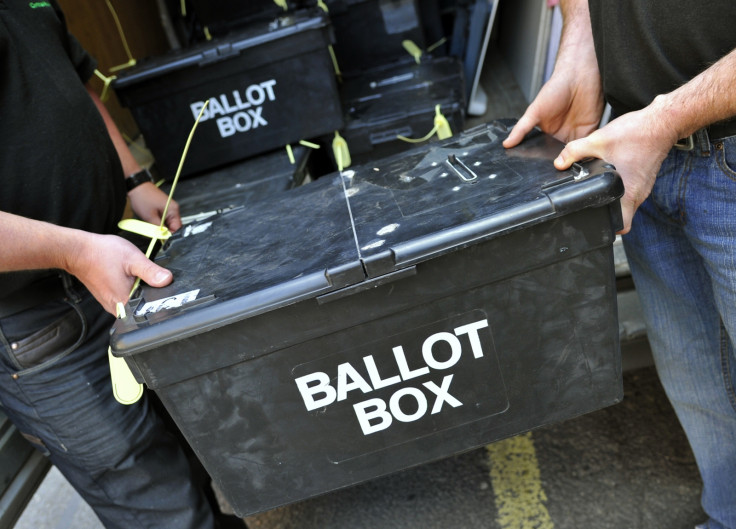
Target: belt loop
[[702, 142]]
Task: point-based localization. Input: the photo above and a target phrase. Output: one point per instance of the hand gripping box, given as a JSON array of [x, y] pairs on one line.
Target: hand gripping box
[[271, 84], [385, 317]]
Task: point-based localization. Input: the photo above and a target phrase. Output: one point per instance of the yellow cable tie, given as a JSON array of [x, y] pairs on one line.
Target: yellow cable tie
[[341, 152], [131, 60], [434, 46], [162, 226], [309, 144], [183, 6], [107, 82], [413, 50], [125, 388], [441, 124], [282, 3], [322, 5], [207, 34], [417, 140], [441, 127], [146, 229], [290, 154], [336, 66], [129, 64]]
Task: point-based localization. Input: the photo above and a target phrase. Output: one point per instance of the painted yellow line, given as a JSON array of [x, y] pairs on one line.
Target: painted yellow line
[[517, 487]]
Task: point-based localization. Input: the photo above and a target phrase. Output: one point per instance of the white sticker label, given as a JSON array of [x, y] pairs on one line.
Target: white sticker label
[[172, 302]]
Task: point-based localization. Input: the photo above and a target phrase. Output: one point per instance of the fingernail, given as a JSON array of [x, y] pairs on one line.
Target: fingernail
[[161, 276]]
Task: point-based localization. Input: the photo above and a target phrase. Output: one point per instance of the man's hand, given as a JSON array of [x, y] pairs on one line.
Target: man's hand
[[570, 104], [148, 202], [636, 144], [109, 265]]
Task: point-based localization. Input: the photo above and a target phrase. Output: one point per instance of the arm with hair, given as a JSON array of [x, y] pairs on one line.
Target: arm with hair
[[637, 142], [106, 264], [570, 104]]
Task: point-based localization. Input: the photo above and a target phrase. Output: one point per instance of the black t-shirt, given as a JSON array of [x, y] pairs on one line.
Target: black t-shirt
[[651, 47], [57, 162]]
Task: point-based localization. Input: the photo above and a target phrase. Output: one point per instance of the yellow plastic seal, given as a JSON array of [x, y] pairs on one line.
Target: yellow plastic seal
[[441, 124], [107, 82], [441, 127], [146, 229], [413, 50], [125, 388], [341, 152]]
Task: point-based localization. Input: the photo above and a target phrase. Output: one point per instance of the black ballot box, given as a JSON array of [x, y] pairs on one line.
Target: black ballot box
[[371, 33], [386, 103], [384, 317], [269, 84]]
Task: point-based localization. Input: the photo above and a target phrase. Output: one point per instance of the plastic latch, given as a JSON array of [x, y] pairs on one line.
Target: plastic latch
[[442, 125], [413, 50], [341, 152]]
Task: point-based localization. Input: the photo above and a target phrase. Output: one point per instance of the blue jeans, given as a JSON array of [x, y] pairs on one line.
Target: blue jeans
[[55, 387], [682, 253]]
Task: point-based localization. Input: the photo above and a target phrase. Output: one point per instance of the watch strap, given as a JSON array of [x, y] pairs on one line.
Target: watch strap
[[136, 179]]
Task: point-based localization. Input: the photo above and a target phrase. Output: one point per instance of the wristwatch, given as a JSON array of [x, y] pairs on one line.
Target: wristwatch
[[136, 179]]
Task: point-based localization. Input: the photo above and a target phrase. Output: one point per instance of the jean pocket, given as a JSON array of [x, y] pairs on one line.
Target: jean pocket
[[726, 156], [50, 343]]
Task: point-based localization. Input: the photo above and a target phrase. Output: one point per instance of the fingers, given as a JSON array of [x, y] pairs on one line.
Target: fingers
[[151, 273], [525, 124], [173, 217]]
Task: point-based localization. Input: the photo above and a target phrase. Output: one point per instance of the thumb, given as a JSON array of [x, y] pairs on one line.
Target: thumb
[[573, 152], [152, 274]]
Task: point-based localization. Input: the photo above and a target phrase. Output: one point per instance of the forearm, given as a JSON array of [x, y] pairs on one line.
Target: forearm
[[576, 43], [707, 98], [106, 264], [127, 160], [33, 245]]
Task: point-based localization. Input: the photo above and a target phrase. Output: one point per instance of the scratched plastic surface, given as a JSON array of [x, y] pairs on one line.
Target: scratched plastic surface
[[456, 192], [369, 221]]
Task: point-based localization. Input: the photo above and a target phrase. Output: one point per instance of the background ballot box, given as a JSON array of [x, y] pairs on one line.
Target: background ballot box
[[401, 99], [270, 84], [387, 316]]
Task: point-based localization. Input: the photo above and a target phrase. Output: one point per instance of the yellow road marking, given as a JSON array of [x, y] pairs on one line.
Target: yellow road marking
[[519, 495]]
